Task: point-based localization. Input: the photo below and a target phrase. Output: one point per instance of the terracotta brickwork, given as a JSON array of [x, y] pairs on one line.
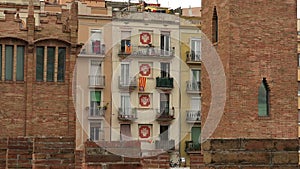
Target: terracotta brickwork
[[29, 107], [256, 40]]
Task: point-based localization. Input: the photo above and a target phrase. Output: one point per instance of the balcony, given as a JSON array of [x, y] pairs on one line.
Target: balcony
[[93, 50], [165, 115], [129, 114], [193, 116], [165, 145], [193, 87], [146, 51], [193, 58], [96, 113], [191, 147], [128, 83], [164, 83], [96, 81]]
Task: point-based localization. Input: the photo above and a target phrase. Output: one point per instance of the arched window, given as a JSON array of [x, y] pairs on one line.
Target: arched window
[[263, 98], [215, 26]]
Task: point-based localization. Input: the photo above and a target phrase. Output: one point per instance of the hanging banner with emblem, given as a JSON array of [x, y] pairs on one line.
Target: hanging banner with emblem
[[144, 100], [142, 83], [145, 38]]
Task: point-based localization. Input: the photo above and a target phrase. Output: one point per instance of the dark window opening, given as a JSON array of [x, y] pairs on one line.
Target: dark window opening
[[263, 99], [9, 62], [215, 26], [61, 64], [50, 63], [40, 63]]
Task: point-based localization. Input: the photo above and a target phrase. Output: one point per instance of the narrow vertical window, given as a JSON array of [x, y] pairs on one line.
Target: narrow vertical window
[[215, 26], [20, 63], [263, 99], [40, 63], [298, 60], [9, 57], [50, 63], [0, 62], [61, 64]]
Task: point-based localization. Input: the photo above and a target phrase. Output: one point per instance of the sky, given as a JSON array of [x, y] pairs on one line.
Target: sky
[[186, 3]]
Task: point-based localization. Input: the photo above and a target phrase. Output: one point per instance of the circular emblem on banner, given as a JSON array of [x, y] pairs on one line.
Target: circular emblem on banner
[[144, 132], [145, 38], [145, 100], [145, 70]]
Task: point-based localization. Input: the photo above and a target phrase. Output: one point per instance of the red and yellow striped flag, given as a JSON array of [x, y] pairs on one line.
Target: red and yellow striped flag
[[142, 83]]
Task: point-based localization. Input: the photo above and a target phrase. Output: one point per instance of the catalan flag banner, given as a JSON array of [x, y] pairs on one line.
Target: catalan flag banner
[[142, 83], [128, 48]]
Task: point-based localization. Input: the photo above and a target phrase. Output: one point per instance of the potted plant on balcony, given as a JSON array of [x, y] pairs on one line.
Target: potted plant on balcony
[[103, 107]]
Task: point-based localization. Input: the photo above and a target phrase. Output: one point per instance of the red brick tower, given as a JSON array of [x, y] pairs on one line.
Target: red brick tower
[[256, 42]]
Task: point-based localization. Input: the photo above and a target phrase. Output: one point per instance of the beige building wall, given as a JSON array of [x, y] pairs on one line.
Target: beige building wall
[[188, 32], [87, 23]]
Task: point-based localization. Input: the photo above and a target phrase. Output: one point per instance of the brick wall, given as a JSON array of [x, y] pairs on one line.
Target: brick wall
[[251, 153], [28, 107]]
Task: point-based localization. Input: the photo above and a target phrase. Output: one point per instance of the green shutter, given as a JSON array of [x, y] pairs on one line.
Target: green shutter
[[39, 63], [50, 63], [61, 64], [196, 131], [9, 56], [0, 62], [20, 63], [96, 96]]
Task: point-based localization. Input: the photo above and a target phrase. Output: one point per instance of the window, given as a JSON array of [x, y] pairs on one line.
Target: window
[[125, 132], [195, 49], [50, 63], [95, 100], [39, 63], [263, 99], [298, 60], [165, 43], [298, 88], [215, 26], [165, 70], [61, 64], [9, 57], [95, 73], [299, 116], [124, 79], [125, 104], [164, 132], [95, 131], [20, 63], [96, 46], [125, 42], [164, 104], [195, 103], [0, 62]]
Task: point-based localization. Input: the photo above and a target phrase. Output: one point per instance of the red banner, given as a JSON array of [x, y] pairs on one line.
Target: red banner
[[142, 83], [144, 131]]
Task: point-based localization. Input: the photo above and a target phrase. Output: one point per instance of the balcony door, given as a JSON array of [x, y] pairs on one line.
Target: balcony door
[[95, 100], [165, 70], [125, 104], [95, 41], [195, 104], [124, 74], [125, 132], [95, 72], [165, 43], [164, 104], [195, 79], [195, 49], [164, 132]]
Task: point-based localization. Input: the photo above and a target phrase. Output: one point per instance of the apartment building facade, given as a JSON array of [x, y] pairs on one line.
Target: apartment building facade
[[146, 79]]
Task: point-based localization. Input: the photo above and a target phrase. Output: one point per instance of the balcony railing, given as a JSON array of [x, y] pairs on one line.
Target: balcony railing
[[193, 87], [128, 83], [193, 57], [93, 50], [145, 51], [166, 145], [95, 112], [129, 114], [190, 147], [193, 116], [165, 114], [164, 82], [97, 81]]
